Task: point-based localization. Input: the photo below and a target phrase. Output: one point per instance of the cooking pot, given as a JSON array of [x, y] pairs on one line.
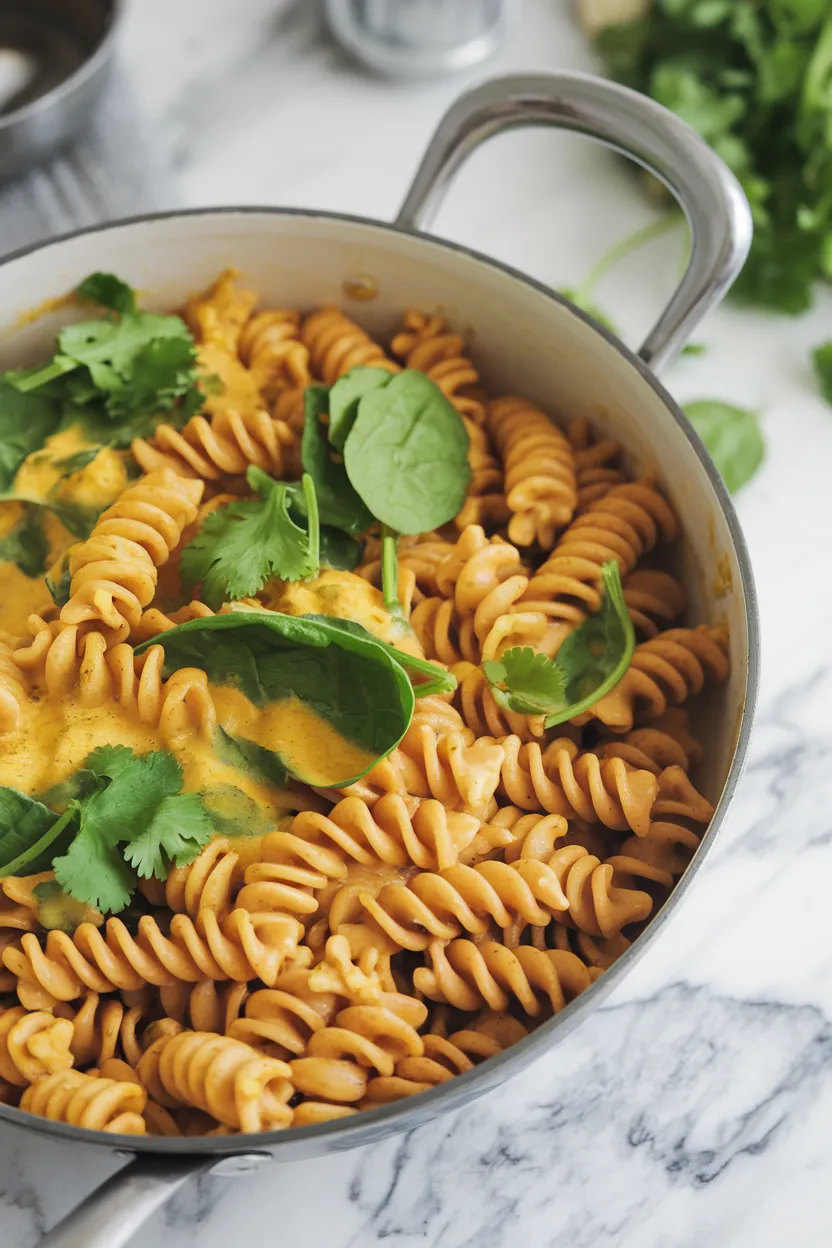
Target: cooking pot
[[528, 340]]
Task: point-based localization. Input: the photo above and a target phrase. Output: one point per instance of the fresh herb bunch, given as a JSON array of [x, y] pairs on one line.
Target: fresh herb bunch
[[589, 663], [754, 77]]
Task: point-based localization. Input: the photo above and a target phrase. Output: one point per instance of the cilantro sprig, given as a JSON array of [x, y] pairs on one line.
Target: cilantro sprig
[[125, 818], [242, 545], [589, 663]]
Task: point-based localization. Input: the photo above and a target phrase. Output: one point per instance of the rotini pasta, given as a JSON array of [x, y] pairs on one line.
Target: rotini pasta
[[262, 951]]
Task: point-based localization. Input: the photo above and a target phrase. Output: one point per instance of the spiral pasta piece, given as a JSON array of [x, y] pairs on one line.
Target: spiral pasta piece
[[663, 742], [243, 947], [270, 347], [102, 1029], [441, 905], [472, 977], [86, 1101], [476, 616], [387, 833], [446, 766], [539, 471], [419, 555], [597, 462], [364, 1039], [666, 670], [114, 572], [225, 1078], [564, 780], [67, 661], [336, 344], [424, 343], [226, 444], [444, 1057], [219, 314], [33, 1044], [623, 525]]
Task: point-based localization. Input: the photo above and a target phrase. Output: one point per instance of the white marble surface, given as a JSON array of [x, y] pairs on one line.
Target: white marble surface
[[694, 1108]]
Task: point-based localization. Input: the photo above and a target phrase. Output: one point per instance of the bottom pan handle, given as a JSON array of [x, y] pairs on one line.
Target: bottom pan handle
[[111, 1215]]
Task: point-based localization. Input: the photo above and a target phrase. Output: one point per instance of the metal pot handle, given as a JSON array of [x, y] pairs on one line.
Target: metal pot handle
[[706, 190], [112, 1214]]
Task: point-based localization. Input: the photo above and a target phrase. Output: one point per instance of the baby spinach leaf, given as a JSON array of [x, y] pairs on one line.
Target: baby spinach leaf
[[264, 765], [338, 503], [26, 544], [26, 421], [822, 363], [108, 290], [589, 663], [344, 397], [407, 454], [57, 911], [439, 681], [732, 436], [28, 830], [343, 675], [338, 550]]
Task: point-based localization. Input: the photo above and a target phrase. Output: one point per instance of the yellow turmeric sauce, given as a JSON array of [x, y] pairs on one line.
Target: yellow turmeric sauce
[[342, 595]]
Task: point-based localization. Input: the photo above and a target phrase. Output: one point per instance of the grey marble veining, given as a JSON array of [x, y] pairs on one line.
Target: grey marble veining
[[692, 1109]]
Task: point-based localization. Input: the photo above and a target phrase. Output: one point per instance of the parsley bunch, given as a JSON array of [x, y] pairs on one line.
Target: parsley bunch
[[125, 817], [754, 77]]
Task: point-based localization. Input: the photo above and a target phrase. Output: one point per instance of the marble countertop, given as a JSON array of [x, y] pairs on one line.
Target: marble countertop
[[694, 1107]]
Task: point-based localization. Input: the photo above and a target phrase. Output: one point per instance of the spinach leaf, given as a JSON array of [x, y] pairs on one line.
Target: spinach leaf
[[29, 831], [338, 503], [344, 397], [732, 436], [26, 421], [439, 681], [26, 543], [343, 675], [589, 663], [407, 454], [264, 765]]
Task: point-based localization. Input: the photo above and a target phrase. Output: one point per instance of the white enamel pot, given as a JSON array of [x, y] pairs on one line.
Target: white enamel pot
[[529, 341]]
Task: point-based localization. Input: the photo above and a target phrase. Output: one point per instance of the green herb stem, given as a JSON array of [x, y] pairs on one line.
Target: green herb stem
[[390, 570], [584, 293], [313, 522]]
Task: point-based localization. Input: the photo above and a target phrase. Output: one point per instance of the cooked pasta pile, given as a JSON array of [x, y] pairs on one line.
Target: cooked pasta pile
[[225, 909]]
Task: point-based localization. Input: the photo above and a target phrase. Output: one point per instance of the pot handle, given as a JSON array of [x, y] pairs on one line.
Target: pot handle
[[111, 1215], [706, 190]]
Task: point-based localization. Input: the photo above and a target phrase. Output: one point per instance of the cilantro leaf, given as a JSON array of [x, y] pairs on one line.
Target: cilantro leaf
[[177, 831], [589, 663], [526, 682], [93, 868], [242, 545], [822, 363], [108, 290], [732, 436]]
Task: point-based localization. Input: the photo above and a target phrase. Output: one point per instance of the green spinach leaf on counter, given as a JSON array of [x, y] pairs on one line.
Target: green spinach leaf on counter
[[732, 436]]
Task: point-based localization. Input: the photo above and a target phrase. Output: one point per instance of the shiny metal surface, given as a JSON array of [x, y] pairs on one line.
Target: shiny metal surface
[[54, 61], [421, 38], [706, 190], [161, 1165]]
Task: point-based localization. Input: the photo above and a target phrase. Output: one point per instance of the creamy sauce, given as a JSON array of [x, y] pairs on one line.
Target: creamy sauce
[[345, 596], [308, 744]]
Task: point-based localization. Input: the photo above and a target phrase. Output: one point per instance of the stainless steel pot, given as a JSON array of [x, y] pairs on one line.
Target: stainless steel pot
[[64, 48], [528, 340]]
